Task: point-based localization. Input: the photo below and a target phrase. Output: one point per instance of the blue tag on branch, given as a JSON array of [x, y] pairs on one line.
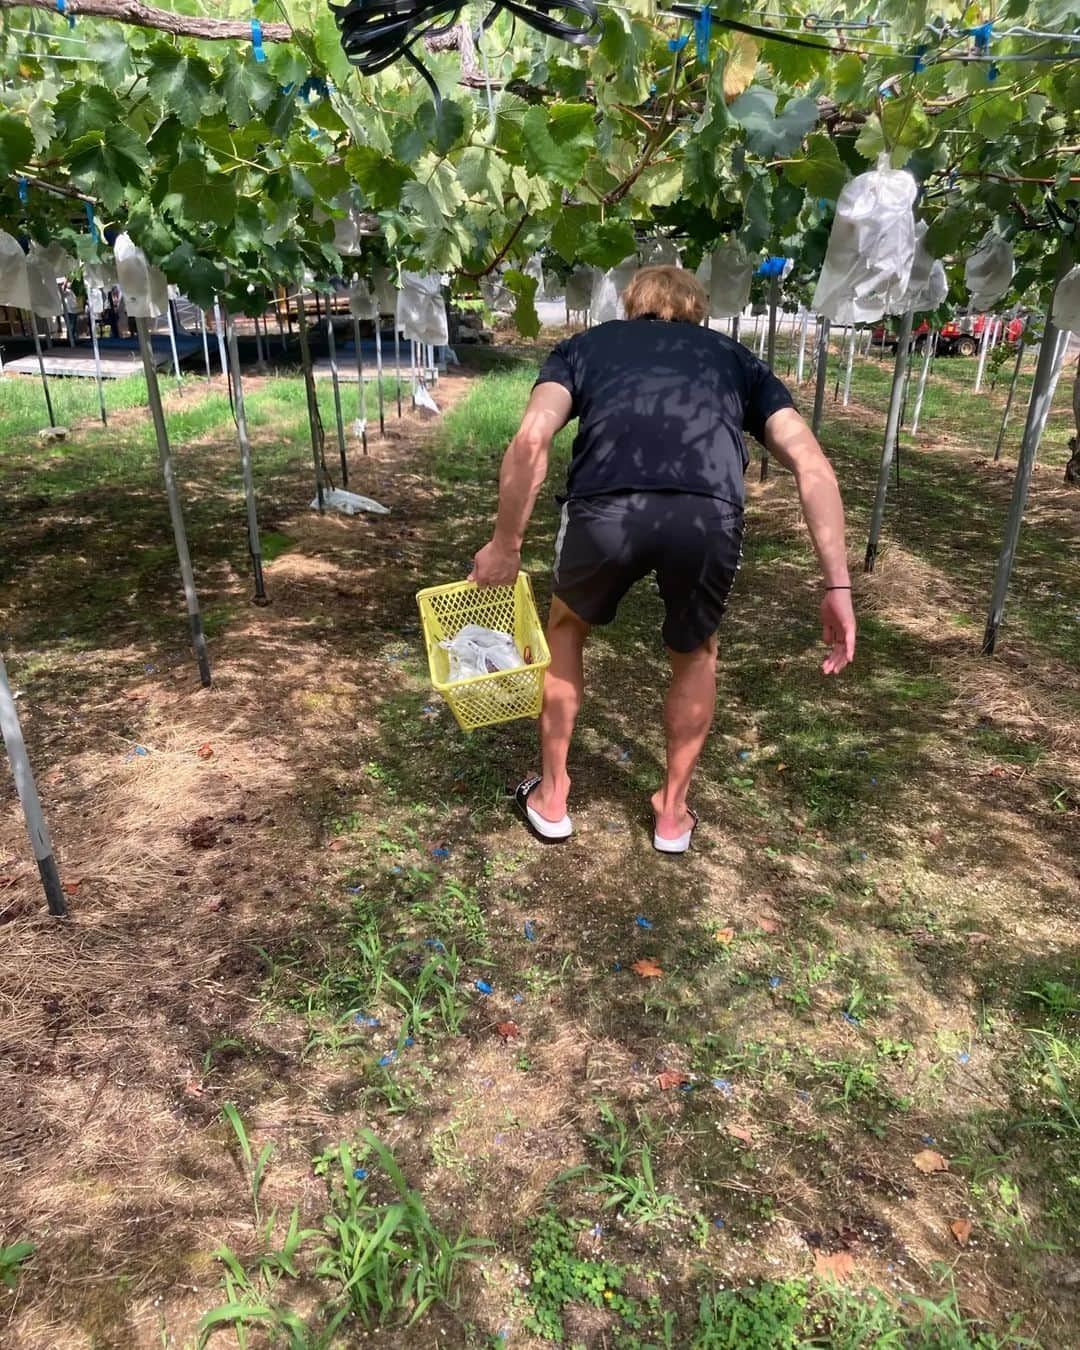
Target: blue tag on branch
[[677, 44], [702, 34], [257, 41], [61, 6], [24, 190]]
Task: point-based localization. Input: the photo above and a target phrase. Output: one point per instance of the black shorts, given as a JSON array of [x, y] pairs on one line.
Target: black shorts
[[692, 543]]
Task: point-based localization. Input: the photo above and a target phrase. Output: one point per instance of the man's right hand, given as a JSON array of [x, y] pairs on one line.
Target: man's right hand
[[838, 630], [496, 565]]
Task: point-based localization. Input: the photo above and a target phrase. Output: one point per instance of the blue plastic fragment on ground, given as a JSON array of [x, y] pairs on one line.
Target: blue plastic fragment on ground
[[482, 987], [597, 1230], [962, 1057], [643, 922], [686, 1087], [409, 1041], [354, 890], [744, 755], [140, 751], [363, 1020], [929, 1140], [850, 1017], [388, 1058], [775, 981], [723, 1085], [440, 852], [718, 1223], [517, 998], [802, 1094], [616, 965], [435, 945], [873, 782], [624, 755], [396, 871], [530, 931], [360, 1173]]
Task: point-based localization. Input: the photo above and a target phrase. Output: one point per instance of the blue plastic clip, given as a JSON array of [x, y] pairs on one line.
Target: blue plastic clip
[[918, 65], [256, 40], [94, 234], [702, 34], [677, 44], [61, 8], [24, 190], [770, 267], [982, 33], [992, 72]]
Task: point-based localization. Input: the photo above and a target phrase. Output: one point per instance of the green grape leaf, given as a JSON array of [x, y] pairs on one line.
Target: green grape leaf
[[523, 288], [86, 107], [198, 278], [109, 51], [757, 212], [105, 163], [606, 244], [379, 177], [441, 129], [40, 116], [659, 184], [482, 173], [870, 142], [820, 171], [566, 233], [245, 87], [16, 144], [557, 140], [715, 118], [207, 198], [769, 134], [181, 83]]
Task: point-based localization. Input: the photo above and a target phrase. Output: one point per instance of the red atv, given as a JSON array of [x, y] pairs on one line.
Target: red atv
[[961, 336]]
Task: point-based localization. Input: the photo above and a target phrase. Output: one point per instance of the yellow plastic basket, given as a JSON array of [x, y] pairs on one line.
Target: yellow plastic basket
[[506, 694]]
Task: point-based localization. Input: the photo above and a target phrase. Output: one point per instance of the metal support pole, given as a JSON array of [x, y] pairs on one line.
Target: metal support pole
[[314, 421], [28, 797], [928, 356], [1037, 412], [397, 363], [157, 413], [280, 325], [848, 366], [822, 374], [801, 362], [339, 419], [254, 545], [984, 347], [1009, 399], [379, 372], [361, 400], [41, 367], [172, 347], [219, 330], [97, 367], [205, 343], [892, 433], [735, 328], [774, 304], [260, 350]]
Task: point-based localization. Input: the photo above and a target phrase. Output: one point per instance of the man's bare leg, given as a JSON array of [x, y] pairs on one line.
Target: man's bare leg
[[688, 714], [563, 689]]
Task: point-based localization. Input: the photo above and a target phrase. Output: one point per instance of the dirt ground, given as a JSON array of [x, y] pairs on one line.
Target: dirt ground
[[203, 834]]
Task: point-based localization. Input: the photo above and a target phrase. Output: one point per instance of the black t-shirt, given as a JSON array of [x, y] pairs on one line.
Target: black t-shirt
[[662, 408]]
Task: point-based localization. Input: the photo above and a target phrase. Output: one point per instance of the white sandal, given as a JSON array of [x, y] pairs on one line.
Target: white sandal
[[681, 844], [550, 831]]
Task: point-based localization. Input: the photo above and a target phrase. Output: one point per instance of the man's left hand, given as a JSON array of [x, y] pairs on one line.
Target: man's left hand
[[496, 565]]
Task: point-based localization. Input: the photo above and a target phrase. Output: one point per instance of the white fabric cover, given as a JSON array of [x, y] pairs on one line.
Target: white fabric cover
[[361, 301], [726, 274], [605, 303], [62, 263], [385, 291], [349, 232], [14, 281], [421, 310], [656, 251], [44, 292], [146, 292], [1066, 311], [988, 273], [871, 248], [101, 273], [928, 286], [579, 286]]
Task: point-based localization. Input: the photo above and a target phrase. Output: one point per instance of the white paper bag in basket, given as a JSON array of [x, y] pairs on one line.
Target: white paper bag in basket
[[867, 265]]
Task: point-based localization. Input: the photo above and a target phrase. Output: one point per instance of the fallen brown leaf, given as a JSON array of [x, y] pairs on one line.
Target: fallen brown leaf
[[193, 1088], [205, 751], [508, 1030], [743, 1136], [961, 1230], [930, 1161], [977, 939], [767, 925], [647, 968], [834, 1265], [725, 936], [671, 1078], [70, 887], [336, 845]]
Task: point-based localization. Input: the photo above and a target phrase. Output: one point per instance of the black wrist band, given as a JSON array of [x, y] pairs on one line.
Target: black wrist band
[[838, 588]]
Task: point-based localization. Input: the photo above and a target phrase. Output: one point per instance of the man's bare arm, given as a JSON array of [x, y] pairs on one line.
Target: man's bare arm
[[790, 441], [524, 468]]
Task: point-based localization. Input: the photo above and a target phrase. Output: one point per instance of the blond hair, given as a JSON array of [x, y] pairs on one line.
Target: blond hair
[[665, 292]]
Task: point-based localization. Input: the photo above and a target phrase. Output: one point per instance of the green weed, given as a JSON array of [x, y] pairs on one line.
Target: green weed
[[12, 1259]]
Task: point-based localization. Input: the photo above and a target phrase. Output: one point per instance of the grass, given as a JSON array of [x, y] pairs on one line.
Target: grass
[[75, 401], [412, 1082]]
